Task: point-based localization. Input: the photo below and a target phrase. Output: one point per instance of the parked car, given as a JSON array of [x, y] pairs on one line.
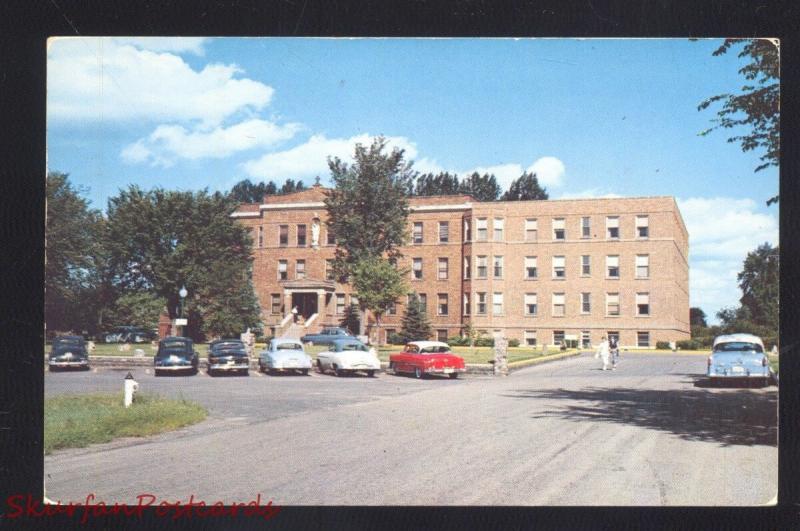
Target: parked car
[[228, 355], [175, 354], [68, 351], [284, 354], [327, 336], [129, 334], [739, 356], [427, 357], [348, 356]]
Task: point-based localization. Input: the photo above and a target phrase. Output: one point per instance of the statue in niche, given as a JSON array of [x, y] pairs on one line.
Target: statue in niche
[[315, 232]]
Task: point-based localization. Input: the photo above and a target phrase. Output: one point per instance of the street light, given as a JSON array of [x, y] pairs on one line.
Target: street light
[[182, 294]]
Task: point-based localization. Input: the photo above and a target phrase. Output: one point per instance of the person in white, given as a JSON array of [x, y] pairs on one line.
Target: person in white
[[603, 351]]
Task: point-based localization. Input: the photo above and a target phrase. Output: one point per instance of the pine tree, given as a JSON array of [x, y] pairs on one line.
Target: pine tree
[[351, 319], [415, 324], [525, 188], [481, 187]]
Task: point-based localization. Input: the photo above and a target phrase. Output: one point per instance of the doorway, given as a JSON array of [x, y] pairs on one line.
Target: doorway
[[306, 304]]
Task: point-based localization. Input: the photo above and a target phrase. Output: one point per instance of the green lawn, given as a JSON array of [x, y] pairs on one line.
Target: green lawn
[[76, 421]]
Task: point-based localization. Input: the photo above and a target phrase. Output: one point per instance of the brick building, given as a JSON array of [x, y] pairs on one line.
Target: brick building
[[543, 272]]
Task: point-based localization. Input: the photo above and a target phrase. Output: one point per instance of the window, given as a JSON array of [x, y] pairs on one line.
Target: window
[[392, 309], [586, 265], [329, 270], [642, 339], [467, 231], [481, 304], [642, 227], [531, 230], [612, 266], [283, 270], [300, 269], [482, 230], [642, 266], [612, 227], [444, 232], [586, 339], [441, 335], [339, 303], [642, 304], [260, 236], [416, 234], [497, 303], [612, 304], [559, 306], [499, 225], [389, 333], [530, 337], [586, 303], [276, 303], [423, 302], [559, 270], [301, 235], [559, 233], [466, 304], [481, 267], [443, 268], [558, 337], [530, 304], [498, 266], [416, 269], [283, 235], [331, 237], [466, 268], [586, 227], [530, 267], [441, 309]]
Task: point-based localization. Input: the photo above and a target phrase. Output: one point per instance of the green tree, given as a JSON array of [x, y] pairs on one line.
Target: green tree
[[415, 324], [759, 281], [525, 188], [351, 320], [247, 192], [757, 106], [290, 187], [443, 183], [481, 187], [137, 309], [379, 284], [697, 317]]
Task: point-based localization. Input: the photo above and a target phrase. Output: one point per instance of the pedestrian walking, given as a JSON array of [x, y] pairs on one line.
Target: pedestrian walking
[[613, 347], [604, 352]]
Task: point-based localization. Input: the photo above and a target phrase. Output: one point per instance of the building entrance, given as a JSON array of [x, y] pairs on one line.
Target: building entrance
[[306, 304]]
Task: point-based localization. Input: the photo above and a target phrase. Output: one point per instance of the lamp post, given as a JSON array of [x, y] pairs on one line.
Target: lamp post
[[182, 294]]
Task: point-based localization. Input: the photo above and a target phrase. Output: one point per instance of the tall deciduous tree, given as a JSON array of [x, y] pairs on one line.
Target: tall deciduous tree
[[415, 324], [759, 281], [525, 188], [379, 284], [757, 106], [697, 317], [481, 187]]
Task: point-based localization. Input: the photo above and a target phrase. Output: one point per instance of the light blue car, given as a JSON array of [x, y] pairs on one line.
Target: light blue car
[[741, 357], [284, 354]]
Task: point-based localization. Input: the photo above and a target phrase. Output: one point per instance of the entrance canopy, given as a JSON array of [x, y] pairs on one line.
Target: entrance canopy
[[307, 284]]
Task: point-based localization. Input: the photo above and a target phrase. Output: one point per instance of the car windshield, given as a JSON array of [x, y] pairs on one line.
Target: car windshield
[[67, 342], [228, 345], [173, 345], [288, 346], [735, 346], [436, 350], [355, 346]]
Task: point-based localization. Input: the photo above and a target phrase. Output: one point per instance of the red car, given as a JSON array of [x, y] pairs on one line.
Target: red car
[[427, 357]]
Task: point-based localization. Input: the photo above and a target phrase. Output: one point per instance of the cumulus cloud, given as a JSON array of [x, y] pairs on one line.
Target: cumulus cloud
[[193, 45], [107, 79], [549, 170], [169, 142]]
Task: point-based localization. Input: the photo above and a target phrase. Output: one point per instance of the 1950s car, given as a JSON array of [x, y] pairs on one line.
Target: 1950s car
[[348, 356], [427, 357], [284, 354], [739, 356], [175, 354], [327, 336], [228, 355], [68, 352]]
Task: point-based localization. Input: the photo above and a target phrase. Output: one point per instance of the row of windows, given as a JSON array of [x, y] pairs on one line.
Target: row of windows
[[558, 304], [559, 337], [277, 306], [301, 236], [558, 227]]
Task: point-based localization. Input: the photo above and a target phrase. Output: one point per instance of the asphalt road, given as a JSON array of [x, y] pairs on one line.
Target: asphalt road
[[562, 433]]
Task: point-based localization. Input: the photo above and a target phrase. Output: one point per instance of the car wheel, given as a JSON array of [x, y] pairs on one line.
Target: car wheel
[[453, 375], [371, 374], [319, 367], [393, 367], [156, 372], [417, 373], [304, 372], [339, 372]]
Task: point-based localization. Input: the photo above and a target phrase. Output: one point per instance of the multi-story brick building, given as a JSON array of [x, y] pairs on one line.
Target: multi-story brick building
[[543, 272]]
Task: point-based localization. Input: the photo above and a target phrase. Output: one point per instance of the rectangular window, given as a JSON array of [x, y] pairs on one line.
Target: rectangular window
[[416, 269], [283, 268], [530, 337], [329, 270], [260, 236], [642, 227], [497, 303], [497, 265], [276, 303], [559, 232], [423, 302], [612, 266], [612, 227], [467, 231], [586, 265], [642, 339], [530, 267], [642, 304], [559, 268], [612, 304], [442, 307], [642, 265], [389, 333], [586, 227], [466, 268], [392, 309], [301, 235], [441, 335], [531, 230], [283, 235], [481, 267], [499, 226], [481, 304], [531, 306], [482, 230], [331, 237], [443, 268], [466, 304], [586, 303], [559, 305], [586, 339], [558, 337], [444, 231], [300, 269], [339, 303], [416, 235]]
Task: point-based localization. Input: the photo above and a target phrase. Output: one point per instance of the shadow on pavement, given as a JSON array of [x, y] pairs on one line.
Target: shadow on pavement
[[729, 418]]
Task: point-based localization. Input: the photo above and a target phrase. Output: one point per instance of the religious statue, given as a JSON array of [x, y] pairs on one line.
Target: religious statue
[[315, 233]]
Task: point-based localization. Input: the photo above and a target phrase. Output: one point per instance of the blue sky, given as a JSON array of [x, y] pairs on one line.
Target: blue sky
[[596, 117]]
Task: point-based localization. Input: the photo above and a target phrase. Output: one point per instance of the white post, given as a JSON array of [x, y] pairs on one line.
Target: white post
[[131, 387]]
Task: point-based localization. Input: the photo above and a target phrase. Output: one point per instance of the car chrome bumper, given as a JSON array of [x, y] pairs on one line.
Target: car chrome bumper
[[229, 366], [446, 370], [173, 367], [80, 363], [732, 375]]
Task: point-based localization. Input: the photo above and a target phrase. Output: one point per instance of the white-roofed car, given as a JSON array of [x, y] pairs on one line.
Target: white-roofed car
[[284, 354], [739, 357], [347, 356]]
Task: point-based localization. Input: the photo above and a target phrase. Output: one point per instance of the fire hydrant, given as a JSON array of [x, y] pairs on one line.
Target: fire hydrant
[[131, 387]]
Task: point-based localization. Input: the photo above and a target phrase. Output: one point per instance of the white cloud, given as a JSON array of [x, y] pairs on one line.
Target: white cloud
[[103, 79], [168, 142], [549, 170], [193, 45]]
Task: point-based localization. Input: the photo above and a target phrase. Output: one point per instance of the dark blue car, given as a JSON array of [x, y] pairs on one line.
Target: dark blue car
[[175, 354], [327, 336]]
